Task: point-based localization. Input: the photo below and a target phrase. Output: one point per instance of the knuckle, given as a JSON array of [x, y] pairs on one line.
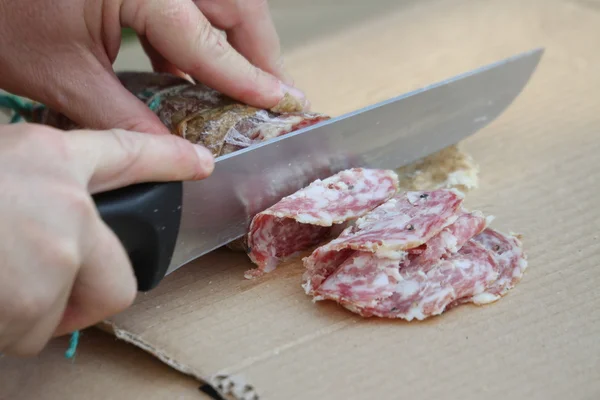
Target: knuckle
[[79, 204], [208, 38], [30, 306], [174, 13], [131, 147], [50, 140], [124, 297], [65, 254], [255, 75], [127, 141]]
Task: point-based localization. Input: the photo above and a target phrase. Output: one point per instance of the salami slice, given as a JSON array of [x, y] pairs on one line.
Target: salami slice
[[451, 238], [405, 222], [372, 286], [508, 252], [313, 214], [453, 259]]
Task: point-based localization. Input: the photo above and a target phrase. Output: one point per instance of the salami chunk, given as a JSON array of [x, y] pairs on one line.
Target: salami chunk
[[313, 214], [203, 115], [377, 269]]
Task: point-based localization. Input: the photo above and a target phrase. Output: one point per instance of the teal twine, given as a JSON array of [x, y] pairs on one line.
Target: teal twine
[[147, 93], [18, 106], [153, 105], [70, 353]]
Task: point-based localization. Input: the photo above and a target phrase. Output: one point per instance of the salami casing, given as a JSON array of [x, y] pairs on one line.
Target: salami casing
[[203, 115]]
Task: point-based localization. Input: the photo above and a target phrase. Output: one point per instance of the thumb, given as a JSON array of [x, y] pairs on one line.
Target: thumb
[[116, 158]]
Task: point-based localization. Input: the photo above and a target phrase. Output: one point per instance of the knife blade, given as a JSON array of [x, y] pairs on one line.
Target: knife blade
[[182, 222]]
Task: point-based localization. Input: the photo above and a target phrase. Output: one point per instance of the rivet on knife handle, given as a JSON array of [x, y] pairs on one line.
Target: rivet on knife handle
[[146, 218]]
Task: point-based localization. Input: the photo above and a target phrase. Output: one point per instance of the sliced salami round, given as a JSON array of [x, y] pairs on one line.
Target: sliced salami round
[[315, 213], [405, 222]]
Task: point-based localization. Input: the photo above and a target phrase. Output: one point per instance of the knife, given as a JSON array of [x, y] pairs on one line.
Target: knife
[[163, 226]]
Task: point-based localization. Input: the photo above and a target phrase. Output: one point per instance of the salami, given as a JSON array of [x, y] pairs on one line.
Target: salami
[[311, 215], [405, 222], [373, 286], [508, 252], [203, 115], [444, 256]]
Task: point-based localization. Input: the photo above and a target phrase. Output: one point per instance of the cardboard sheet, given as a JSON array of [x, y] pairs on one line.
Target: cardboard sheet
[[540, 176]]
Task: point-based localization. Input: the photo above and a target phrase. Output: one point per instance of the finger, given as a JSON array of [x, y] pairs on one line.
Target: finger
[[104, 286], [182, 34], [250, 30], [117, 158], [40, 302], [94, 97], [32, 340], [159, 63]]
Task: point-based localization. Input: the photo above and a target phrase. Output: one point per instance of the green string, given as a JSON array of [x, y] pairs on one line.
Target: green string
[[153, 105], [147, 93], [70, 353], [20, 106], [17, 105]]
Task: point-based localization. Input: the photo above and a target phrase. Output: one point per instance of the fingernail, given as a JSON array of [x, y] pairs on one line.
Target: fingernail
[[188, 78], [296, 93], [206, 158]]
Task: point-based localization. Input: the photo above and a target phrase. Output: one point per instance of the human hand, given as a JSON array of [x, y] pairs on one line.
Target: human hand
[[61, 268], [60, 53]]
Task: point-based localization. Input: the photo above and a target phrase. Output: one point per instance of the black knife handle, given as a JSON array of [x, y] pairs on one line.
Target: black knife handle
[[146, 219]]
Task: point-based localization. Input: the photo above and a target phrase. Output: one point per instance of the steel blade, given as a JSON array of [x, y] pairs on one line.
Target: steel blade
[[389, 134]]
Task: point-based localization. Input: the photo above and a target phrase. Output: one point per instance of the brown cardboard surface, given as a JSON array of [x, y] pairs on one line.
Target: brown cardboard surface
[[104, 368], [539, 176]]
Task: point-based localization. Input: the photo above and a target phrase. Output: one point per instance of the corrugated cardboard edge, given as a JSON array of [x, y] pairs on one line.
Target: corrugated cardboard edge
[[229, 387]]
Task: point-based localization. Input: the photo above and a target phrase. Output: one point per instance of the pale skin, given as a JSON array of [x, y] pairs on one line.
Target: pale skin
[[61, 268]]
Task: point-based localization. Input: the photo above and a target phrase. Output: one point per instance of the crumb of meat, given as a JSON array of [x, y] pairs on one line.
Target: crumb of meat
[[288, 103], [448, 168]]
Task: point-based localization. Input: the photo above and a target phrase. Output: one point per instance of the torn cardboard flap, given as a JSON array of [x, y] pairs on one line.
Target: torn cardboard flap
[[539, 175]]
